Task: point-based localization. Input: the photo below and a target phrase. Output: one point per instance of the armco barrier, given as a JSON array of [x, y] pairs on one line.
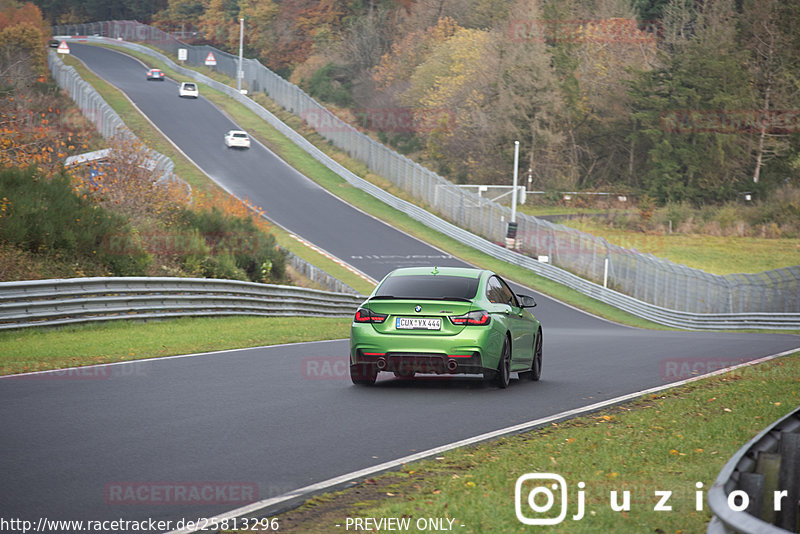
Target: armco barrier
[[652, 312], [80, 300], [770, 462], [317, 275]]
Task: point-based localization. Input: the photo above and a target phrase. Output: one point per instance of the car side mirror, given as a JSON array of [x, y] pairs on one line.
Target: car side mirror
[[527, 301]]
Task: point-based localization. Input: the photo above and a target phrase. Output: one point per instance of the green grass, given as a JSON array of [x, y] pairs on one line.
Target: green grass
[[300, 160], [667, 441], [531, 207], [719, 255], [40, 349]]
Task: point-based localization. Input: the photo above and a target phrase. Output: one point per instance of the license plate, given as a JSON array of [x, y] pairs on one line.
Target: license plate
[[418, 323]]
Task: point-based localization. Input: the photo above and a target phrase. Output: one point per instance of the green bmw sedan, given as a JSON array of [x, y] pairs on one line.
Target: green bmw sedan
[[445, 320]]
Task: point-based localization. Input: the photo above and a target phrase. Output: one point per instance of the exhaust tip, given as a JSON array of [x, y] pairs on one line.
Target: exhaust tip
[[452, 365], [381, 364]]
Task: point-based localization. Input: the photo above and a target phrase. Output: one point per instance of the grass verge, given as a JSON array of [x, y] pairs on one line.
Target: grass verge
[[713, 254], [303, 162], [668, 441], [41, 349]]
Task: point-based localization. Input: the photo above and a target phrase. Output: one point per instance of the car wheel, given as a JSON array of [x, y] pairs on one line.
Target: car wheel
[[536, 365], [363, 374], [502, 376]]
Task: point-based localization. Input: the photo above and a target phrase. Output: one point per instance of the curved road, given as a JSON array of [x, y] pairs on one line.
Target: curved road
[[114, 441]]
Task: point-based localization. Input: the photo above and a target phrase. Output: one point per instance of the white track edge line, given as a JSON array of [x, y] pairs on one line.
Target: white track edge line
[[162, 358], [307, 490]]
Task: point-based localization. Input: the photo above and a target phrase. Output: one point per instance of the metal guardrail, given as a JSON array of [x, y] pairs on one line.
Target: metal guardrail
[[652, 312], [80, 300], [642, 276], [770, 462], [317, 275]]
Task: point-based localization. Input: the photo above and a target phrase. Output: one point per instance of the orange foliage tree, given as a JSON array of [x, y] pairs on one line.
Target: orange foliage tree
[[22, 44]]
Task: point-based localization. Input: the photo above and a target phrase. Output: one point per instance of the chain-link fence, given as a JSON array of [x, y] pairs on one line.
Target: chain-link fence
[[643, 276]]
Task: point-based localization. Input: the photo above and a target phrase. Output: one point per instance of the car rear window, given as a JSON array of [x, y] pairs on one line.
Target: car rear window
[[189, 86], [428, 287], [239, 135]]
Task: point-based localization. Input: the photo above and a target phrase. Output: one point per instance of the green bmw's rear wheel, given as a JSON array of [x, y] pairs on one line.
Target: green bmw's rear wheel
[[363, 374], [502, 375], [536, 365]]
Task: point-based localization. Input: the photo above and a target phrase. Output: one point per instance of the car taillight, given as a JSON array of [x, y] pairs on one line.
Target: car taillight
[[363, 315], [476, 318]]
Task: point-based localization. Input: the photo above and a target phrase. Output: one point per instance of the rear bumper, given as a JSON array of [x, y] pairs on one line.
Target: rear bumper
[[468, 352], [421, 362]]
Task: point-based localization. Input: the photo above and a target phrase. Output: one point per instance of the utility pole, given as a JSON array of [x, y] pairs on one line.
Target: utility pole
[[511, 234], [514, 192], [239, 73]]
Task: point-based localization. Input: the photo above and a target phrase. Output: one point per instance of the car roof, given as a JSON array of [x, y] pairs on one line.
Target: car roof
[[463, 272], [234, 132]]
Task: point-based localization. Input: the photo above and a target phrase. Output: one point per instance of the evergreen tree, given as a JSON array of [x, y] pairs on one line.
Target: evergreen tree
[[701, 79]]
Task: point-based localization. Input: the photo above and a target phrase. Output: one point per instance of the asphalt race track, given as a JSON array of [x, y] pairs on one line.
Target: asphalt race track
[[260, 422], [294, 201]]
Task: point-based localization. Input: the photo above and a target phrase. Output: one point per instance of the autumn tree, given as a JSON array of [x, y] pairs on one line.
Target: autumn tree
[[448, 91], [22, 45], [76, 11], [180, 12], [258, 16], [218, 23], [529, 102], [595, 59], [13, 14]]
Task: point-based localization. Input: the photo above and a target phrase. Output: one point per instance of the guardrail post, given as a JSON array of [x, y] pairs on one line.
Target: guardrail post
[[789, 480], [768, 465], [753, 485]]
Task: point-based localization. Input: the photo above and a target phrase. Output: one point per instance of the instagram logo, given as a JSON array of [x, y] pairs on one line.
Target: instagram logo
[[540, 498]]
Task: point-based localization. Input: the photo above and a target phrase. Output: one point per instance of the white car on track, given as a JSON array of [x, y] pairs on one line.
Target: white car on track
[[237, 139], [188, 89]]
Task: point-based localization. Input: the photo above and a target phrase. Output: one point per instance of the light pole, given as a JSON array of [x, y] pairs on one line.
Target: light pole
[[514, 192], [239, 68], [511, 234]]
